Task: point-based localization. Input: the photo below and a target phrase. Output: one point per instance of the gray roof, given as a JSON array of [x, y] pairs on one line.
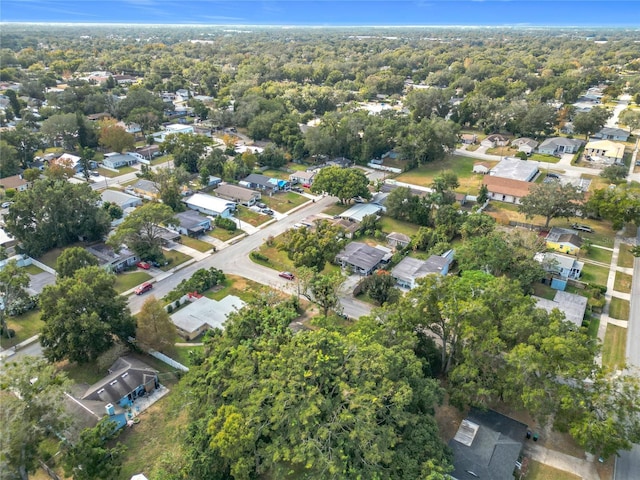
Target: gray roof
[[524, 141], [550, 260], [411, 268], [190, 219], [613, 131], [361, 255], [235, 192], [205, 311], [515, 169], [146, 186], [126, 374], [361, 210], [106, 255], [555, 141], [258, 179], [564, 235], [119, 198], [488, 444], [572, 305]]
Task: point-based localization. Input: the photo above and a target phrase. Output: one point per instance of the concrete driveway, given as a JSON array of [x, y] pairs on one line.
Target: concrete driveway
[[39, 281]]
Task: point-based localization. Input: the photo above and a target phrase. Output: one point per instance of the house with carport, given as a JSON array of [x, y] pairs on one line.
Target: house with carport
[[360, 210], [210, 205], [123, 200], [302, 177], [118, 160], [111, 260], [525, 145], [191, 223]]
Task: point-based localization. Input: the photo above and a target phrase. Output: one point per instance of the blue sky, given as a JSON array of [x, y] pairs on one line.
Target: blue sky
[[592, 13]]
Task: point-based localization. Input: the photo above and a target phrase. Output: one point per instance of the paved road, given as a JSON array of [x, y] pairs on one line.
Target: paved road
[[234, 259], [627, 464], [622, 104]]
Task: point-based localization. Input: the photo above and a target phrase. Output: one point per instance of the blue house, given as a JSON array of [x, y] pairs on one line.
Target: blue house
[[257, 181], [560, 269], [191, 223]]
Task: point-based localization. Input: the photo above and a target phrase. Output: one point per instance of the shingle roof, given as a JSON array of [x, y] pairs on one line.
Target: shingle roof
[[564, 235], [361, 255], [507, 186]]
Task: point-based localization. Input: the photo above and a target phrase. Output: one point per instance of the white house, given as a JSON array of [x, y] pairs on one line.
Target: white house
[[210, 205], [118, 160], [204, 314], [172, 129]]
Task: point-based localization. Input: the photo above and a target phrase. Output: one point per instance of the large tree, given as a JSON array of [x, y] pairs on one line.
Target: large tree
[[588, 123], [31, 407], [13, 282], [619, 205], [73, 259], [313, 247], [56, 214], [115, 138], [344, 183], [428, 141], [630, 118], [186, 148], [141, 230], [61, 129], [324, 403], [155, 329], [552, 200], [83, 315]]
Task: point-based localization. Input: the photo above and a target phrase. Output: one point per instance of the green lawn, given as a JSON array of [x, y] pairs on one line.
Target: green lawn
[[241, 287], [175, 258], [25, 326], [540, 471], [283, 202], [224, 235], [88, 373], [273, 173], [625, 258], [388, 225], [622, 283], [594, 325], [49, 258], [162, 160], [181, 354], [594, 274], [539, 157], [462, 166], [599, 255], [502, 151], [619, 308], [252, 218], [336, 209], [544, 291], [615, 347], [196, 244], [277, 259], [107, 173], [32, 269], [128, 280]]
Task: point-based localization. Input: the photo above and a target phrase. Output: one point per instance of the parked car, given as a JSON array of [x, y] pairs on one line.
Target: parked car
[[145, 287], [261, 205], [582, 228], [267, 211], [143, 265], [94, 173], [287, 275], [6, 204], [158, 264], [297, 190], [306, 185]]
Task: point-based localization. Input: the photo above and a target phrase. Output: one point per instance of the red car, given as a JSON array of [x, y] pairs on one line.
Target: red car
[[145, 287], [306, 185], [143, 265], [287, 275]]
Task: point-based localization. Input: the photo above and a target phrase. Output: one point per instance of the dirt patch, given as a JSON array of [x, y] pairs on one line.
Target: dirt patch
[[448, 419]]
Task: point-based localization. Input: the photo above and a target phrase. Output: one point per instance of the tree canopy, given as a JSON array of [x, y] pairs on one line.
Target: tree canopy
[[552, 200], [344, 183]]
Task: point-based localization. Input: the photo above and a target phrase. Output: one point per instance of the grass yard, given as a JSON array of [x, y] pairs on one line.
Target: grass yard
[[196, 244], [622, 283], [283, 202], [274, 173], [597, 182], [297, 167], [594, 325], [502, 151], [540, 471], [162, 160], [625, 258], [252, 218], [619, 308], [174, 258], [181, 354], [594, 274], [224, 235], [128, 280], [539, 157], [336, 209], [49, 258], [88, 373], [615, 346], [462, 166], [32, 269], [107, 173], [26, 326], [278, 259], [599, 255], [241, 287], [544, 291], [388, 225]]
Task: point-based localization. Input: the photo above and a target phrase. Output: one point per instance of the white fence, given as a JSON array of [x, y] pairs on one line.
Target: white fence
[[25, 261], [168, 360], [382, 167]]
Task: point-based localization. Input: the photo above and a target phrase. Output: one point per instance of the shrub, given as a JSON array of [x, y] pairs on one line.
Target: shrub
[[226, 224], [169, 308], [259, 257]]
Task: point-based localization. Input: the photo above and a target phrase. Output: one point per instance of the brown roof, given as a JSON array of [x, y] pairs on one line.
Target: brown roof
[[507, 186], [14, 181]]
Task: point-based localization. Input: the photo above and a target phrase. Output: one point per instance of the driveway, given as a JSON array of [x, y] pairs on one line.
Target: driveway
[[39, 281], [622, 104]]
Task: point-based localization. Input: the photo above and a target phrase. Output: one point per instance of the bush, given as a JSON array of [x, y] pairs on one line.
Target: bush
[[22, 305], [226, 224], [259, 257], [201, 281], [169, 308]]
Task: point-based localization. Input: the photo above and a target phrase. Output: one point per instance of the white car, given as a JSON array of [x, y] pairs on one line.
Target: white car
[[6, 204]]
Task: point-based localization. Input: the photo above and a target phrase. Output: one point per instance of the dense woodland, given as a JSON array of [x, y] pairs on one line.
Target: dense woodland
[[337, 401]]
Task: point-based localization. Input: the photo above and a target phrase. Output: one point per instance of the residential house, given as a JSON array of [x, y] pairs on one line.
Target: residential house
[[349, 227], [240, 149], [126, 391], [191, 223], [361, 210], [524, 144], [210, 205], [303, 177], [149, 152], [243, 196], [560, 268], [119, 160], [398, 240], [204, 314], [515, 169], [146, 188], [123, 200], [257, 181], [110, 260], [604, 151], [166, 236], [572, 305], [609, 133], [6, 240], [15, 182], [213, 181], [468, 138], [481, 167], [132, 128], [487, 446], [362, 258], [559, 145], [67, 160], [172, 129], [410, 270], [495, 140], [506, 189], [565, 240]]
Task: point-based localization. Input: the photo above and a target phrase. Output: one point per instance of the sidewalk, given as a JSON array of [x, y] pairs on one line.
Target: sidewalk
[[10, 351], [566, 463]]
